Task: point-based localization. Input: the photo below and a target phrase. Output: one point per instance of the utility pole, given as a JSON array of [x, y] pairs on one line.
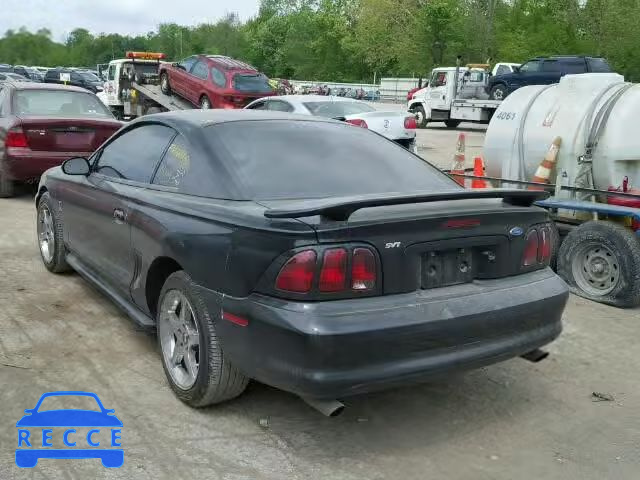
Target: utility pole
[[491, 10]]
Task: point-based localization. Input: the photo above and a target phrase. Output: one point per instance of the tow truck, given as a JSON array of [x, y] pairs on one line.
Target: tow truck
[[454, 95], [132, 87]]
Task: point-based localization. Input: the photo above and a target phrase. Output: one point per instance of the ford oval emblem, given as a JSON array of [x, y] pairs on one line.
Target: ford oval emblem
[[516, 232]]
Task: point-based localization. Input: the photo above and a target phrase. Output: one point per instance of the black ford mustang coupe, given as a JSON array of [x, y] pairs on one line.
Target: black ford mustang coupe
[[304, 253]]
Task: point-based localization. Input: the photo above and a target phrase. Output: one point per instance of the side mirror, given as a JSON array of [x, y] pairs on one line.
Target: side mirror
[[516, 69], [76, 166], [28, 410], [180, 66]]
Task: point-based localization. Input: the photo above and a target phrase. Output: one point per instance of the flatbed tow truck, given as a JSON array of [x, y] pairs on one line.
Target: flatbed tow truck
[[132, 87]]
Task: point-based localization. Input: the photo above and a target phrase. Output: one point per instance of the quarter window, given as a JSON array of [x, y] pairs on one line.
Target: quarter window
[[135, 154], [174, 166]]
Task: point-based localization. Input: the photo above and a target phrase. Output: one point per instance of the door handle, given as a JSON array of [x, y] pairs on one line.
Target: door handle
[[119, 216]]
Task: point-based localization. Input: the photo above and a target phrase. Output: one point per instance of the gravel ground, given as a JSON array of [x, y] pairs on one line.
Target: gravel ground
[[512, 420]]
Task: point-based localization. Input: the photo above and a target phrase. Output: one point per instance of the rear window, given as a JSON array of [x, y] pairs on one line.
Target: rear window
[[338, 109], [598, 65], [249, 82], [281, 159], [58, 103]]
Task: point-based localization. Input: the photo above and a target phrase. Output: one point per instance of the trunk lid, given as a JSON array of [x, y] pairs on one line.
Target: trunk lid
[[389, 124], [437, 244], [67, 134]]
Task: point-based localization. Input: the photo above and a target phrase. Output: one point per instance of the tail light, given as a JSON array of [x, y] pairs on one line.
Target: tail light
[[538, 247], [544, 248], [333, 275], [530, 256], [297, 274], [410, 123], [342, 270], [358, 122], [363, 269], [16, 138]]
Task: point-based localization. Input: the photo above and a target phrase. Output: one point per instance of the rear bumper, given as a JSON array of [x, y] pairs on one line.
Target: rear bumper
[[346, 347], [23, 164]]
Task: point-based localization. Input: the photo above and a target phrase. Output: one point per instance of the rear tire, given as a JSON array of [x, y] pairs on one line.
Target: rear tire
[[50, 232], [452, 123], [421, 116], [600, 261], [216, 380], [499, 92], [165, 86]]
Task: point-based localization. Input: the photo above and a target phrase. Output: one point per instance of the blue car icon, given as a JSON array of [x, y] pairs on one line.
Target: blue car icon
[[27, 457]]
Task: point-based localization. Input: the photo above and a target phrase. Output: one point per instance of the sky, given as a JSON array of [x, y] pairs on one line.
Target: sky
[[127, 17]]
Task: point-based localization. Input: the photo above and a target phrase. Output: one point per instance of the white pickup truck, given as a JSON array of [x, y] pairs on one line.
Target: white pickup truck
[[454, 95]]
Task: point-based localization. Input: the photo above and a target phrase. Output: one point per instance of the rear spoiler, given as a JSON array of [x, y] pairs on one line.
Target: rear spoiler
[[341, 209]]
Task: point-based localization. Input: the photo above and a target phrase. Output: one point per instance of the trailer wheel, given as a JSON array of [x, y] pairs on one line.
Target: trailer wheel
[[421, 116], [601, 261], [165, 86]]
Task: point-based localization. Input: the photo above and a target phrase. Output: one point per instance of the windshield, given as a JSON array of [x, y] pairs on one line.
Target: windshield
[[251, 82], [278, 159], [337, 109], [59, 103]]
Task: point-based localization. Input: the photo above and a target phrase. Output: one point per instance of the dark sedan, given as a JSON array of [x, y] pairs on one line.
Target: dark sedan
[[43, 125], [304, 253]]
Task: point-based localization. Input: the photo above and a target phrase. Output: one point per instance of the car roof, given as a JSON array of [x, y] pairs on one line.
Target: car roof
[[48, 86], [229, 63], [311, 98], [204, 118]]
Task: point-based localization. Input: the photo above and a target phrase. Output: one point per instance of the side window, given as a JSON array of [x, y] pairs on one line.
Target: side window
[[200, 70], [530, 67], [75, 77], [552, 66], [573, 66], [187, 63], [175, 165], [218, 77], [279, 106], [261, 105], [439, 79], [135, 154], [111, 73]]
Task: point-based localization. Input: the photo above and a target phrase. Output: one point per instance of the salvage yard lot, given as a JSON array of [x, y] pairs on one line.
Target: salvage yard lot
[[512, 420]]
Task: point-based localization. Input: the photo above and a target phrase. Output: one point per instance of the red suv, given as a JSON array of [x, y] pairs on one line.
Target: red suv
[[214, 81]]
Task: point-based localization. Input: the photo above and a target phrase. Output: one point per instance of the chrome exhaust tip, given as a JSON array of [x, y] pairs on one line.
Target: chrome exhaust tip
[[329, 408]]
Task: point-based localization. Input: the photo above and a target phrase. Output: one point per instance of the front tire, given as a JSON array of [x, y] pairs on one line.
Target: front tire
[[499, 92], [205, 103], [165, 86], [197, 370], [50, 236], [421, 116], [600, 261]]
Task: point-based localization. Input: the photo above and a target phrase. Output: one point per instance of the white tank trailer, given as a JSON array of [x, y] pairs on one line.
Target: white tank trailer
[[596, 116], [528, 120]]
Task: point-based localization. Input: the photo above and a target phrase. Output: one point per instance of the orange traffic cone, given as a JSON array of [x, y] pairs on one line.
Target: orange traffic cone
[[478, 171], [548, 164], [458, 160]]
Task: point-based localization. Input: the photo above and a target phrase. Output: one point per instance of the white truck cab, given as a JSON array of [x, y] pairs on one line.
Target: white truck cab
[[454, 95]]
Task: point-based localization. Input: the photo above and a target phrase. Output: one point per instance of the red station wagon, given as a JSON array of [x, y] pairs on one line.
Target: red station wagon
[[214, 81]]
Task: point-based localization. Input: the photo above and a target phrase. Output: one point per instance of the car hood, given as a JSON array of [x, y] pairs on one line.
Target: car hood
[[69, 418]]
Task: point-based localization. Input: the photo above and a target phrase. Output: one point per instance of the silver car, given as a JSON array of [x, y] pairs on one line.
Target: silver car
[[397, 126]]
